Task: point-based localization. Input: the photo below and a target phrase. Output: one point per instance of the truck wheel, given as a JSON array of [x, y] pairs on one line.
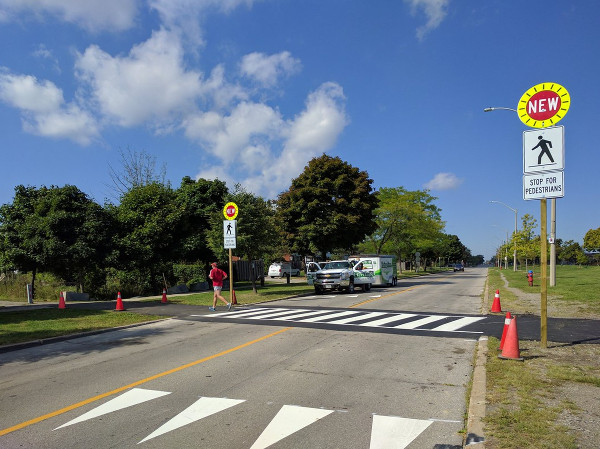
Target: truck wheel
[[318, 290], [351, 286], [367, 287], [394, 281]]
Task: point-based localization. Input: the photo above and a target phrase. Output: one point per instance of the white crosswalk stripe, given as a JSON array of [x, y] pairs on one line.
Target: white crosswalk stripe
[[345, 317]]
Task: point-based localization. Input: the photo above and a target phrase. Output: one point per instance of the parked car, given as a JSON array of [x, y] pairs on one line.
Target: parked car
[[459, 267], [280, 269]]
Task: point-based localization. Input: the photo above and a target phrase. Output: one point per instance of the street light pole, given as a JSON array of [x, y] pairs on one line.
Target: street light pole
[[514, 236]]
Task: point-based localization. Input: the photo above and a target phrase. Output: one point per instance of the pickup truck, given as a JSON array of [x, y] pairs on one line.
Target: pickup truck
[[343, 275]]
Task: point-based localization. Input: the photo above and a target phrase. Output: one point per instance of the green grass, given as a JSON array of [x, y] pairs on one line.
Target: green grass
[[524, 399], [38, 324], [575, 285]]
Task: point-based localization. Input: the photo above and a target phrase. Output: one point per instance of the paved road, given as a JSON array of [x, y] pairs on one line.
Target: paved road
[[382, 369]]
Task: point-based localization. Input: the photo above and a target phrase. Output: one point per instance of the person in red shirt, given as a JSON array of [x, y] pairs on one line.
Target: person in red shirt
[[217, 276]]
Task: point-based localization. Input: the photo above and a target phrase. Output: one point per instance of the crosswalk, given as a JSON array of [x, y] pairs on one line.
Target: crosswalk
[[386, 431], [346, 317]]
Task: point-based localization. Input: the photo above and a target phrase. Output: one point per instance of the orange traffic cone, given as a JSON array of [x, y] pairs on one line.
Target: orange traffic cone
[[511, 344], [61, 302], [507, 321], [233, 298], [496, 305], [119, 303], [164, 296]]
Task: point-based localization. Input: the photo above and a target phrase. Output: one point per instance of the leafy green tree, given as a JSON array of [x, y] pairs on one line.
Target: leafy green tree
[[198, 201], [56, 229], [256, 234], [591, 240], [569, 251], [148, 219], [407, 222], [528, 244], [330, 205]]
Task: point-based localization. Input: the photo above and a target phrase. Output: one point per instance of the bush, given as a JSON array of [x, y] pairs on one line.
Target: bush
[[189, 274]]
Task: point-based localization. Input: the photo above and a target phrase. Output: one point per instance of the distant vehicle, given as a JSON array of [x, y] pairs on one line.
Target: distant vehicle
[[280, 269], [459, 267]]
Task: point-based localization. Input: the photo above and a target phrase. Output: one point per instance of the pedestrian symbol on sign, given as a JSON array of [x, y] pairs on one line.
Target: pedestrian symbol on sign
[[545, 150]]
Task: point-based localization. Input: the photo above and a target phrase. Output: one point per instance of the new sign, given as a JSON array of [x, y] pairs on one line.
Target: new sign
[[544, 105]]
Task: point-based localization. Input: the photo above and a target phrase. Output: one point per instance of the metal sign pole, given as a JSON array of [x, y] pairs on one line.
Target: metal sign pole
[[230, 278], [544, 274]]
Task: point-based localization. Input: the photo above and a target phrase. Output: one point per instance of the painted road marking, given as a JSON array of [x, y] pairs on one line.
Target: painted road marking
[[128, 399], [387, 432], [387, 320], [391, 432], [135, 384], [290, 419], [202, 408]]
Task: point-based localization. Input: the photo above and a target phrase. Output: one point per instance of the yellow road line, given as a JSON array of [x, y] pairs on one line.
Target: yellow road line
[[392, 294], [135, 384]]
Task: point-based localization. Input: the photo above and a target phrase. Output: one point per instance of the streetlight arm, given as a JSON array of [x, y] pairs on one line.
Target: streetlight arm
[[495, 109]]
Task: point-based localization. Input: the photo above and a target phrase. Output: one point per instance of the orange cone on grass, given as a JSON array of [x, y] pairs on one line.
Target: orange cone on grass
[[164, 296], [61, 302], [510, 351], [233, 298], [496, 304], [119, 303], [507, 321]]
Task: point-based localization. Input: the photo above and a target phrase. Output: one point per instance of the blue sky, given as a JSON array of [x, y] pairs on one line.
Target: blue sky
[[250, 90]]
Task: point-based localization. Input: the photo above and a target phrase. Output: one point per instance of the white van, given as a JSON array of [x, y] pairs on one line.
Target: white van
[[280, 269], [384, 268]]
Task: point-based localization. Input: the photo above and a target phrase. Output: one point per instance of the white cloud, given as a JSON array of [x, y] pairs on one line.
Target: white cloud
[[435, 11], [186, 16], [149, 84], [444, 181], [243, 131], [314, 131], [44, 110], [267, 70], [93, 15]]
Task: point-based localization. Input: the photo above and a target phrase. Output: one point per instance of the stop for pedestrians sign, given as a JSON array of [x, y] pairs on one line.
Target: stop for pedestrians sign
[[230, 211], [544, 105]]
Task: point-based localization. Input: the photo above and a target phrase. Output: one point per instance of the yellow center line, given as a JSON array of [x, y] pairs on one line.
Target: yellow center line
[[392, 294], [135, 384]]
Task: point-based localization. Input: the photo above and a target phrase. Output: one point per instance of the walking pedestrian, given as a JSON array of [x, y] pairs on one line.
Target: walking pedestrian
[[217, 276]]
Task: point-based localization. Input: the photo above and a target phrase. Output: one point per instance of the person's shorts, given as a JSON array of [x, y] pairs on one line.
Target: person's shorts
[[218, 288]]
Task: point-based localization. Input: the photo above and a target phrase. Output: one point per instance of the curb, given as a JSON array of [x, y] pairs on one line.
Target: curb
[[476, 412]]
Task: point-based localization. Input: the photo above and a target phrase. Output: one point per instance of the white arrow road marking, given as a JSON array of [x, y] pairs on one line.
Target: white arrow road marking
[[390, 432], [202, 408], [290, 419], [132, 397]]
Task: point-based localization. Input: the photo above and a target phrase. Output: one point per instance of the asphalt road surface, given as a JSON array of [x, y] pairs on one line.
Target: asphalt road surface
[[383, 369]]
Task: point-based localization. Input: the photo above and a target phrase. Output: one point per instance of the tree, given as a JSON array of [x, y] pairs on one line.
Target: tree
[[407, 222], [330, 205], [528, 245], [569, 251], [138, 168], [256, 234], [198, 201], [591, 240], [148, 219], [56, 229]]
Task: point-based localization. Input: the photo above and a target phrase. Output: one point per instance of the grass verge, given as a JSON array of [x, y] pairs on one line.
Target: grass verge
[[552, 399], [38, 324]]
